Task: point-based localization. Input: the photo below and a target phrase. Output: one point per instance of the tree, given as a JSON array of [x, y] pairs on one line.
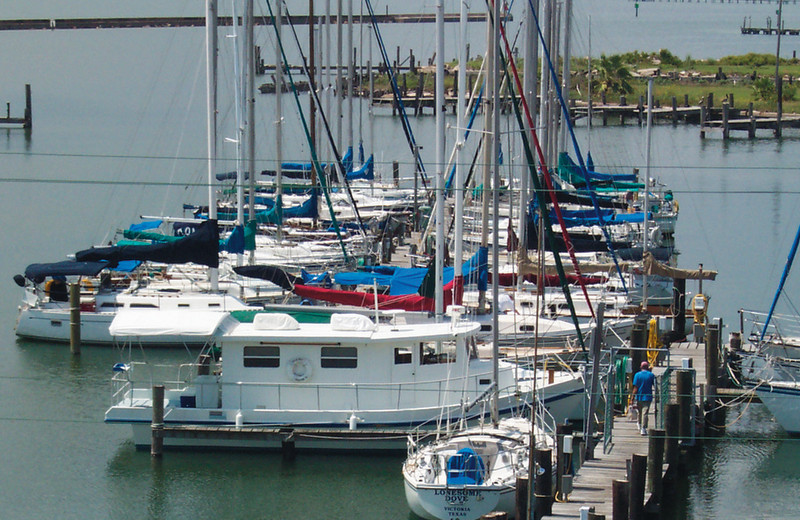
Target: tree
[[612, 75]]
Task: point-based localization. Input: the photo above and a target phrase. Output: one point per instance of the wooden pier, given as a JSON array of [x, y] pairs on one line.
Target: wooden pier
[[26, 121]]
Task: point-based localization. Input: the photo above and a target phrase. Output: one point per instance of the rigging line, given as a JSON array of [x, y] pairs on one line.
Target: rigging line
[[398, 98], [546, 172], [565, 112], [314, 159], [328, 132], [542, 205]]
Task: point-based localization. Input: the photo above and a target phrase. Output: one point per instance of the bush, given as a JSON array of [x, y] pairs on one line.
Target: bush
[[764, 89]]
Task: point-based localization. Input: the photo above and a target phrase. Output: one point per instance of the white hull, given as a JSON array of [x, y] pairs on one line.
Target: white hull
[[319, 384], [783, 401], [465, 503]]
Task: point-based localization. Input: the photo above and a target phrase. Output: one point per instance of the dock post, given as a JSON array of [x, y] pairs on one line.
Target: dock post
[[710, 99], [28, 123], [712, 355], [640, 109], [637, 480], [703, 116], [685, 396], [726, 127], [396, 173], [157, 440], [674, 110], [543, 483], [751, 130], [75, 318], [779, 114], [671, 424], [562, 430], [655, 463], [638, 342], [679, 303], [620, 499], [686, 100], [521, 497]]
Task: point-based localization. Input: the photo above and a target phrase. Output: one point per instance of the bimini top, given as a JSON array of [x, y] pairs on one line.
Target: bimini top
[[157, 322]]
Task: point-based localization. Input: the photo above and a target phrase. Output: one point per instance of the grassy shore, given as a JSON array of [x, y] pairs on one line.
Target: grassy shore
[[749, 79]]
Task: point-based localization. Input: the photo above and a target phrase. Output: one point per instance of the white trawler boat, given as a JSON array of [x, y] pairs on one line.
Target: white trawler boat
[[349, 384]]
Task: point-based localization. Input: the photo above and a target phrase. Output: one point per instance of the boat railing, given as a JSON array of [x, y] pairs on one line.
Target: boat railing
[[781, 327], [138, 379]]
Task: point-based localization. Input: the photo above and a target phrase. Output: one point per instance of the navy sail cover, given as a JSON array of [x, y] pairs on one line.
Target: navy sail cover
[[201, 247]]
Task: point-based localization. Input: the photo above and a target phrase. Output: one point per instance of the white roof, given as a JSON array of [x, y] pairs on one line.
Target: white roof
[[156, 322]]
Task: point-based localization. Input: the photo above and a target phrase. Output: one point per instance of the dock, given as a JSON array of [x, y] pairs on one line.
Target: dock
[[629, 475], [26, 121]]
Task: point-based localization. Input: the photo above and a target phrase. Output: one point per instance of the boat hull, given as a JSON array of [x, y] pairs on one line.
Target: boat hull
[[461, 502], [783, 401]]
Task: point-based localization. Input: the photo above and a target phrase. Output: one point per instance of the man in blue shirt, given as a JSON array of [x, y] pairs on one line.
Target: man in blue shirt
[[643, 394]]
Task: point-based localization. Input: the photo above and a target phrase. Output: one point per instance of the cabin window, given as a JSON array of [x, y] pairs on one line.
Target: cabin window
[[402, 356], [262, 357], [486, 327], [183, 305], [435, 352], [143, 306], [339, 357], [213, 305], [106, 305]]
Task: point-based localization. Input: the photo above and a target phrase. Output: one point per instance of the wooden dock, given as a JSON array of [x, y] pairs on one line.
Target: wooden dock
[[26, 121], [597, 484]]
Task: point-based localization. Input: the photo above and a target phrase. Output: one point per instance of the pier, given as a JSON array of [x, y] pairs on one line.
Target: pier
[[628, 475], [26, 121]]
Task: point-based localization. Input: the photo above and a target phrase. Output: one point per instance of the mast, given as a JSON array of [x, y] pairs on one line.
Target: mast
[[279, 123], [487, 147], [338, 90], [440, 111], [647, 187], [250, 72], [495, 72], [459, 180], [529, 85], [211, 119], [350, 74], [567, 70]]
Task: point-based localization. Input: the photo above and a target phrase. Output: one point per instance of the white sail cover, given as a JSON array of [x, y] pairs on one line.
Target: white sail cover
[[156, 322]]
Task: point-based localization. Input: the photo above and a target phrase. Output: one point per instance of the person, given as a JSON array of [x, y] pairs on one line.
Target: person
[[643, 383]]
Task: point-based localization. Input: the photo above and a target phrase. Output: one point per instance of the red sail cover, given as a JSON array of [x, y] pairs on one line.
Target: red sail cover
[[405, 302]]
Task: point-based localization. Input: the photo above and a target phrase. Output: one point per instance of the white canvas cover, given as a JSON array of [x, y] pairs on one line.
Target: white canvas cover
[[274, 321], [155, 322], [351, 322]]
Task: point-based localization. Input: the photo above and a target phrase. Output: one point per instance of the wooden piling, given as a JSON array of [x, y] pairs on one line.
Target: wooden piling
[[726, 127], [75, 318], [703, 117], [640, 110], [521, 497], [157, 426], [751, 130], [620, 493], [543, 483], [28, 117], [396, 173], [712, 354], [655, 463], [674, 110], [685, 397], [671, 429], [637, 487]]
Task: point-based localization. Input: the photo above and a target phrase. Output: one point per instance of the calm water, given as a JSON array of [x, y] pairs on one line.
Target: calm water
[[119, 132]]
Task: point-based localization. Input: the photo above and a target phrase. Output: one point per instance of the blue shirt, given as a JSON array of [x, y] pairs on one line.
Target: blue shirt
[[643, 381]]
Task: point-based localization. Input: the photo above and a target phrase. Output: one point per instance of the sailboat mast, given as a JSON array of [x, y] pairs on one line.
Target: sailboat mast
[[440, 111], [250, 72], [279, 123], [567, 56], [350, 74], [529, 88], [487, 147], [459, 177], [495, 72], [646, 208], [211, 121]]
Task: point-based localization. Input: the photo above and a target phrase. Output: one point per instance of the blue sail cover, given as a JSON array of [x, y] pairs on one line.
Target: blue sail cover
[[201, 247], [407, 280], [366, 171], [37, 272]]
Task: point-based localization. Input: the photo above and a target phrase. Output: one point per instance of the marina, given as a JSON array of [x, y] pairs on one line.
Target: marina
[[74, 190]]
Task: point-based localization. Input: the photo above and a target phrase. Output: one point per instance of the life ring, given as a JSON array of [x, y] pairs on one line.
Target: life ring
[[299, 369]]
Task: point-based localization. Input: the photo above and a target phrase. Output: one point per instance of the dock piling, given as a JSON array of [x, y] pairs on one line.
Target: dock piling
[[637, 486], [75, 318], [620, 492], [157, 426]]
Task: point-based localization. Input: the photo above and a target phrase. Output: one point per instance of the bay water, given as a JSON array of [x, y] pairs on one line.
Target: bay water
[[119, 132]]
